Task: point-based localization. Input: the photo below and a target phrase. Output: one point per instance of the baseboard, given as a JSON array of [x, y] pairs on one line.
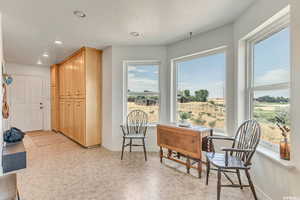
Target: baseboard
[[260, 194]]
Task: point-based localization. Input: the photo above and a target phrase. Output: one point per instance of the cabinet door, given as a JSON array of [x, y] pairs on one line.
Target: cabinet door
[[68, 78], [81, 75], [62, 119], [74, 74], [79, 121], [69, 116], [61, 81]]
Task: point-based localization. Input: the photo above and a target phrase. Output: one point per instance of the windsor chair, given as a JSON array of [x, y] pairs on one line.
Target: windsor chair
[[236, 158], [135, 129]]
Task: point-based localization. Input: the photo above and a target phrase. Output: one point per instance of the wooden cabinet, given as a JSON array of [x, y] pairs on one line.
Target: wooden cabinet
[[54, 97], [79, 78]]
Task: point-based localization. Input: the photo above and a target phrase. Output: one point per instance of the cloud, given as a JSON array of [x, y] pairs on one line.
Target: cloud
[[136, 69], [139, 84], [274, 76]]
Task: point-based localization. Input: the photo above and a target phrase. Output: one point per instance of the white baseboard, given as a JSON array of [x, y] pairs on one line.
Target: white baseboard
[[260, 194]]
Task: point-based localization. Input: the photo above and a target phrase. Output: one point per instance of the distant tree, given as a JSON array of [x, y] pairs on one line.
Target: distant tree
[[187, 93], [212, 102], [201, 95], [270, 99], [212, 124], [131, 99]]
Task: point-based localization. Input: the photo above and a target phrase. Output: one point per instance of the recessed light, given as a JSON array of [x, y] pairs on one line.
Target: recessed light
[[135, 34], [79, 13], [46, 55], [39, 62], [58, 42]]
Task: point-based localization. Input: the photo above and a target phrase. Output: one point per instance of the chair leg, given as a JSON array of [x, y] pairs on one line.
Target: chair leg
[[219, 185], [188, 165], [144, 146], [199, 168], [123, 145], [130, 144], [207, 171], [161, 153], [239, 177], [251, 184]]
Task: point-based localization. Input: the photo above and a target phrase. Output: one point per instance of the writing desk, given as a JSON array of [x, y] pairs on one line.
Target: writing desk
[[188, 142]]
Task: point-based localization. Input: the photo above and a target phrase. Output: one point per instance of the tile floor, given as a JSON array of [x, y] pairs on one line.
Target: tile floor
[[59, 169]]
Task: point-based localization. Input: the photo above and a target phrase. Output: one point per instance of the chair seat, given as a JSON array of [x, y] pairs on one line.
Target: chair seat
[[218, 160], [135, 136]]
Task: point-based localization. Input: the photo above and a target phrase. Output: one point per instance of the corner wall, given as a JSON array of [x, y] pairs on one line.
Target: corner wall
[[113, 91], [222, 36], [272, 179], [1, 92]]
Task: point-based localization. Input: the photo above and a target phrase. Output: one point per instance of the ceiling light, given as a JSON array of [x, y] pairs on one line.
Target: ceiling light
[[79, 14], [58, 42], [46, 55], [39, 62], [135, 34]]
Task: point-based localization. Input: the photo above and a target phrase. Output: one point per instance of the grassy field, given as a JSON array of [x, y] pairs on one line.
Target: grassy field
[[213, 115], [264, 113]]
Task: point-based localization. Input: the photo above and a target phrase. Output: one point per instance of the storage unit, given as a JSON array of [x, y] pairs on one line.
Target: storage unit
[[80, 97], [54, 98]]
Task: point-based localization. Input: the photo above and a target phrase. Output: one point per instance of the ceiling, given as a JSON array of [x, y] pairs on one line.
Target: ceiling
[[30, 27]]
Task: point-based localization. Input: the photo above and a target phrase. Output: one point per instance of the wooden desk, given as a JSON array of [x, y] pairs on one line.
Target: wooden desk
[[187, 142]]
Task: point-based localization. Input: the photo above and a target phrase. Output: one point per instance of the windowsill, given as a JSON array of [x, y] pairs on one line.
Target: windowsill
[[274, 156]]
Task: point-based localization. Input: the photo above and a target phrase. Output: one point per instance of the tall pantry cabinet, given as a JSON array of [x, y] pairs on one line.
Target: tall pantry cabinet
[[79, 107]]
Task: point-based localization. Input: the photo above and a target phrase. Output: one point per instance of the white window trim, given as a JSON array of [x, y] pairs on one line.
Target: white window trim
[[125, 84], [173, 96], [279, 23]]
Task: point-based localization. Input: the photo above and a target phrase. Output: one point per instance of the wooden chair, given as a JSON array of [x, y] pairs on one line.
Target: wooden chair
[[135, 129], [236, 158]]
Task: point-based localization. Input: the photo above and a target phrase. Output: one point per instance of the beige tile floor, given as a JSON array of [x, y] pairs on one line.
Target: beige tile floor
[[65, 171]]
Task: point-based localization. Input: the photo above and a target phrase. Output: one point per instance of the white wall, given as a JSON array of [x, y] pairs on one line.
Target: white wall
[[222, 36], [1, 92], [107, 98], [113, 92], [42, 71], [275, 180]]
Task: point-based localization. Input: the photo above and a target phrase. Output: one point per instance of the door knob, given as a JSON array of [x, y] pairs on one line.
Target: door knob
[[41, 107]]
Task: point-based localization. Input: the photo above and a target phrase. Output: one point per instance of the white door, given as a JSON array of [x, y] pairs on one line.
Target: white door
[[26, 102]]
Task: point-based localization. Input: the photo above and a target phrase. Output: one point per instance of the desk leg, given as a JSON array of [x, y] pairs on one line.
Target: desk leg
[[169, 153], [188, 165], [199, 168], [161, 154]]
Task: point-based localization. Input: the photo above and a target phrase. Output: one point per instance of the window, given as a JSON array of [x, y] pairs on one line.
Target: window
[[142, 92], [268, 80], [199, 82]]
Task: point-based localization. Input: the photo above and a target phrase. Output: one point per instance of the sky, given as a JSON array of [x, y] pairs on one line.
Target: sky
[[271, 65], [143, 77]]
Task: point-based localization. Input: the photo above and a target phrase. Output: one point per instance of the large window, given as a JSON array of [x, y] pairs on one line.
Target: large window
[[200, 89], [142, 92], [268, 80]]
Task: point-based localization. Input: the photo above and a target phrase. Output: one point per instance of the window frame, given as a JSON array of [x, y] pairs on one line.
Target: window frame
[[126, 63], [275, 27], [174, 83]]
